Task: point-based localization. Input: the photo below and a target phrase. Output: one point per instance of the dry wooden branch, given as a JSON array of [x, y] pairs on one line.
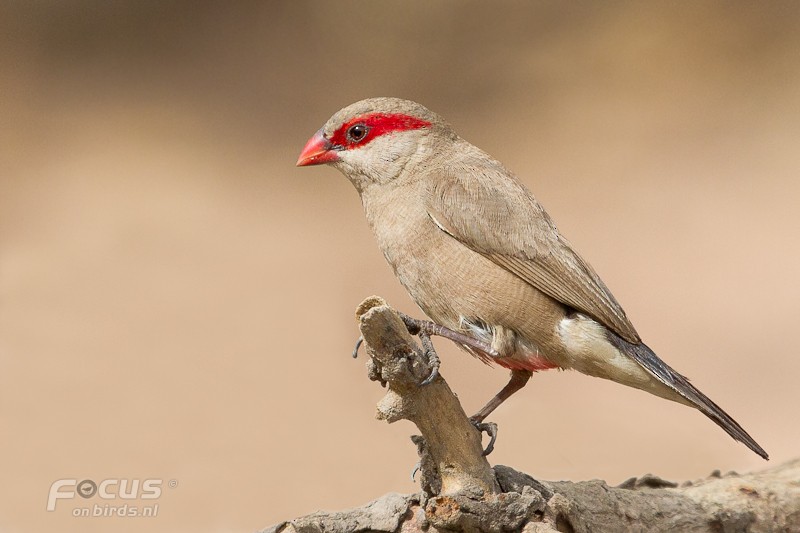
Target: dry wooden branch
[[450, 449], [461, 492], [761, 502]]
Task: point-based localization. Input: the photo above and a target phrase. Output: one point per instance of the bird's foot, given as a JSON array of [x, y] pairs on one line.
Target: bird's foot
[[431, 355], [490, 428], [427, 346]]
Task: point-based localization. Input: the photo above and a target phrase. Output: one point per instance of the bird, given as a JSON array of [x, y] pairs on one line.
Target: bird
[[481, 257]]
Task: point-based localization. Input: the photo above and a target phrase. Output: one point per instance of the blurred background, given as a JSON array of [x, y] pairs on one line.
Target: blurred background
[[176, 298]]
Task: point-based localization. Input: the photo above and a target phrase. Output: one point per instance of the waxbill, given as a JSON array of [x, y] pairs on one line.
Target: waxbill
[[480, 256]]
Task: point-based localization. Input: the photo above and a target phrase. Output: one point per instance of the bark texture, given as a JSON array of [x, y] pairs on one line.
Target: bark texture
[[461, 492]]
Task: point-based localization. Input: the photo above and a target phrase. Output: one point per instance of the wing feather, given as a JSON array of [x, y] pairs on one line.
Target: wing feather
[[488, 210]]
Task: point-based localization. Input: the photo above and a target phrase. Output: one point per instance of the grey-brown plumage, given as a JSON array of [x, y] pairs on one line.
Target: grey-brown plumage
[[479, 254]]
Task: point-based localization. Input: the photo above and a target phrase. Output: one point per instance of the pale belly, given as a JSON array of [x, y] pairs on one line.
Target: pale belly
[[459, 288], [463, 290]]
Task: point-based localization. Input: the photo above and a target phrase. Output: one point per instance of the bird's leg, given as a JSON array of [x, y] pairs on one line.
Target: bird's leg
[[426, 328], [417, 327], [518, 380]]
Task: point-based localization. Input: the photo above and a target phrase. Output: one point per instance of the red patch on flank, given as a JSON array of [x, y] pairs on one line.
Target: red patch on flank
[[533, 363], [377, 124]]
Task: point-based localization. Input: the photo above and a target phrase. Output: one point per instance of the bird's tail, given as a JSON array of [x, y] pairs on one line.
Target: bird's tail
[[678, 383]]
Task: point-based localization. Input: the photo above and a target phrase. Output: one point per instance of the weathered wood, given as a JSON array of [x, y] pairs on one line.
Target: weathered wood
[[461, 492], [760, 502], [451, 456]]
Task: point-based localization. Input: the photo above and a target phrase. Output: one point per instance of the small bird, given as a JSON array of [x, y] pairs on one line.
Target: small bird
[[480, 255]]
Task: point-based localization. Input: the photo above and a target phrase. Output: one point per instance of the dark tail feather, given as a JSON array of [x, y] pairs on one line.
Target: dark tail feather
[[666, 375]]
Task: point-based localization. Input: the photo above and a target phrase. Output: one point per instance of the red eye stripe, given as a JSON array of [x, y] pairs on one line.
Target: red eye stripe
[[377, 124]]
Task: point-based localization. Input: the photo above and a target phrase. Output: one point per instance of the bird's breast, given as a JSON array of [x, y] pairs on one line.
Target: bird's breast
[[453, 283]]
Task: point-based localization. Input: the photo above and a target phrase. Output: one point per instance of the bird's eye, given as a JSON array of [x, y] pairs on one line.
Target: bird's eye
[[356, 133]]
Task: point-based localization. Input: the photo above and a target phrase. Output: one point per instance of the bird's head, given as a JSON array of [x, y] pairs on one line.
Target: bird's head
[[376, 141]]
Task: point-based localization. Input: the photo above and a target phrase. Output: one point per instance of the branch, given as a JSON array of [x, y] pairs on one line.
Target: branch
[[461, 492], [450, 448], [767, 501]]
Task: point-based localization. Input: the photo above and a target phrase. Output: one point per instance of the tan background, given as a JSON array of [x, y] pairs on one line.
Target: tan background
[[176, 297]]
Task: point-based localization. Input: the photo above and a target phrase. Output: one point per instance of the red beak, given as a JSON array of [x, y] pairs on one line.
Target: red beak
[[317, 151]]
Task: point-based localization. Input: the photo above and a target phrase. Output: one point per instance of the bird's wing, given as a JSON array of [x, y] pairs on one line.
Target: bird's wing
[[486, 209]]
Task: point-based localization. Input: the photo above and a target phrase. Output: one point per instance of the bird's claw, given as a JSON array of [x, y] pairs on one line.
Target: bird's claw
[[359, 342], [434, 374], [417, 468], [490, 428]]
